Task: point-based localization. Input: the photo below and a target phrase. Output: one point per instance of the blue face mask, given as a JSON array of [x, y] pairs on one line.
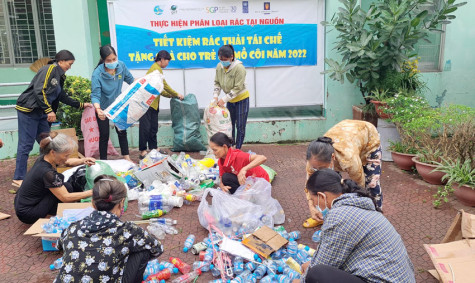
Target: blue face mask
[[225, 63], [112, 65], [325, 211]]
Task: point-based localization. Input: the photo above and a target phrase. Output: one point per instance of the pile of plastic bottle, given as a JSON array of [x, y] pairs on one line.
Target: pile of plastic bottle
[[57, 224], [282, 266]]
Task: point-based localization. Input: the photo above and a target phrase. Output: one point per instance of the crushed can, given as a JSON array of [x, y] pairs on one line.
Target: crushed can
[[198, 247]]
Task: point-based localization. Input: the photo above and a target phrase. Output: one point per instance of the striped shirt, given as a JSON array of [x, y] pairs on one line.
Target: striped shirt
[[361, 241]]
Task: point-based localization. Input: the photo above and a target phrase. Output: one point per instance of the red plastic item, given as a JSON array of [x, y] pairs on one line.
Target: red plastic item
[[202, 255], [162, 275], [178, 263]]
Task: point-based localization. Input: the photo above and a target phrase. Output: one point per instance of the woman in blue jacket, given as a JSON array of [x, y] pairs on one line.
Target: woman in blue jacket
[[107, 80]]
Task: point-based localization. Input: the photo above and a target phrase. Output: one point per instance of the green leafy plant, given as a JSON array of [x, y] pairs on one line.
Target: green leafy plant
[[442, 195], [78, 88], [401, 147], [374, 44]]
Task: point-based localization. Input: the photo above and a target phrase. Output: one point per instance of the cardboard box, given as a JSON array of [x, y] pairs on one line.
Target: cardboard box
[[49, 240], [264, 241], [454, 258]]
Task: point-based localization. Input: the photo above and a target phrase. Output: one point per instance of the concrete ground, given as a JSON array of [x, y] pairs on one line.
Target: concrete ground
[[407, 204]]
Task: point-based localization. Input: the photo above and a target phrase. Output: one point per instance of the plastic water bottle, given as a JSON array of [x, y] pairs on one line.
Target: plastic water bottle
[[260, 271], [217, 281], [57, 264], [157, 232], [190, 240], [153, 267], [209, 255], [250, 266], [215, 271], [187, 278], [283, 278], [178, 263], [277, 254], [153, 214], [267, 279], [292, 248], [295, 235], [169, 266], [166, 221], [308, 249], [162, 275], [204, 266], [302, 256], [316, 237], [238, 265]]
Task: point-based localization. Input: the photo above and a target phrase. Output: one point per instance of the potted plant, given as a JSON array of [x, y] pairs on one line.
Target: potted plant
[[377, 98], [402, 155], [366, 113], [460, 177], [78, 88], [374, 44]]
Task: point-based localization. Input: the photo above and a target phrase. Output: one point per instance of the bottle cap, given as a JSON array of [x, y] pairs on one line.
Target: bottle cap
[[161, 267], [175, 270], [211, 266], [51, 266], [185, 249], [291, 239], [280, 269]]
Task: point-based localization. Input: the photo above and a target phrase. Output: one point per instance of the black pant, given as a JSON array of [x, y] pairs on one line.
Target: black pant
[[47, 206], [229, 179], [148, 129], [104, 138], [324, 273], [135, 267]]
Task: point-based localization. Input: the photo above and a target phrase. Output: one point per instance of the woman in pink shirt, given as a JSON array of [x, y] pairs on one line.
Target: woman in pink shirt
[[234, 165]]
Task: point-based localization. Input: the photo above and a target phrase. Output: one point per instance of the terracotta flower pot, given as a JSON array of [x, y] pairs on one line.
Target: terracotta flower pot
[[464, 194], [380, 106], [424, 169], [403, 160], [358, 114]]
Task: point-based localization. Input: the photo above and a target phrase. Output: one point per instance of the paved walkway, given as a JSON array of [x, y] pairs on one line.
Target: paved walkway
[[407, 204]]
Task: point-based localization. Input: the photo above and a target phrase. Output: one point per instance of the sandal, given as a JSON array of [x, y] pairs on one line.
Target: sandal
[[17, 183], [141, 156], [311, 223]]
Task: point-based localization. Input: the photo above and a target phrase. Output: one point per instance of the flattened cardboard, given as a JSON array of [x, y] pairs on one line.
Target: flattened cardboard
[[454, 258], [468, 225], [264, 241]]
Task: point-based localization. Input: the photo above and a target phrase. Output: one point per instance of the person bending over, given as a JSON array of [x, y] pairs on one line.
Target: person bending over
[[234, 165], [358, 244], [102, 247], [43, 187]]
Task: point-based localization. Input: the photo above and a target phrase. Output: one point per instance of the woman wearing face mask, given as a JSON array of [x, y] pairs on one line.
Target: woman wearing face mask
[[102, 247], [358, 244], [37, 105], [234, 165], [106, 86], [350, 146], [230, 78], [44, 187], [149, 121]]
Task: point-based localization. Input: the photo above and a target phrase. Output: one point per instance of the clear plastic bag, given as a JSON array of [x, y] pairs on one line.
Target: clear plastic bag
[[233, 216], [258, 191]]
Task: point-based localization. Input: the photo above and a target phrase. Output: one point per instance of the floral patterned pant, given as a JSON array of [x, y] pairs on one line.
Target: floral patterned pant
[[372, 172]]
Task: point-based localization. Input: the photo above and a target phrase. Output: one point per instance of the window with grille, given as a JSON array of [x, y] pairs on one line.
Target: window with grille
[[26, 31], [430, 53]]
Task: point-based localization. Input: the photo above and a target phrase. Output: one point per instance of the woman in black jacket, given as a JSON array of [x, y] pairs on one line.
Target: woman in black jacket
[[37, 105]]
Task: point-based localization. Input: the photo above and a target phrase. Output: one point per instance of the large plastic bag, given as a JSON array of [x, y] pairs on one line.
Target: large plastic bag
[[78, 179], [90, 132], [233, 216], [132, 103], [186, 122], [271, 172], [258, 191], [100, 168], [217, 119]]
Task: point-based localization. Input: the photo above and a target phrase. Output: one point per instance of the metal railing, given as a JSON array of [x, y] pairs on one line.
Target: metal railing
[[10, 96]]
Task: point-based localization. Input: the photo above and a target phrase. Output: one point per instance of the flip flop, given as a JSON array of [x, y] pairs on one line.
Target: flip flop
[[17, 183], [311, 223]]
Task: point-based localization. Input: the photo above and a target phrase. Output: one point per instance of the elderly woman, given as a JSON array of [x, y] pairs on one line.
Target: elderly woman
[[101, 247], [43, 187], [358, 244], [350, 146]]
